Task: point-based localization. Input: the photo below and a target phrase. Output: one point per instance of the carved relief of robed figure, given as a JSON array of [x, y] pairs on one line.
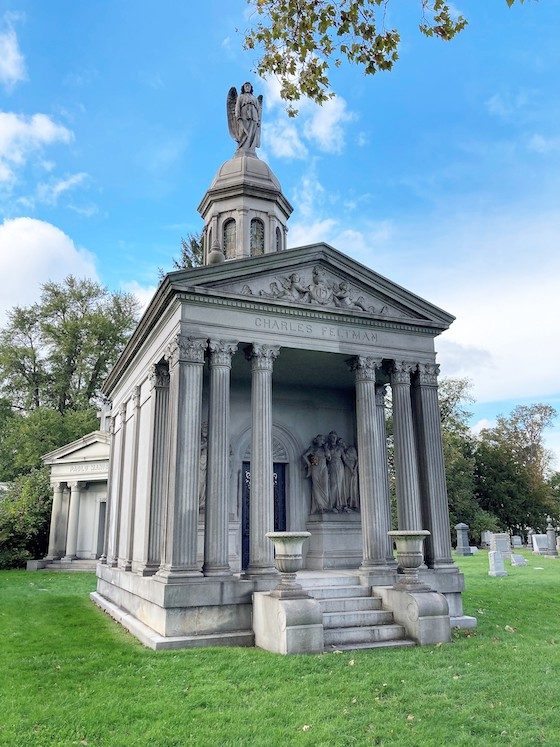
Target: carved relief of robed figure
[[244, 113], [332, 467]]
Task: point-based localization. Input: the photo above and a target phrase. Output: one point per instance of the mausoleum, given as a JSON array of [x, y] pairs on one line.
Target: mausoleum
[[251, 397]]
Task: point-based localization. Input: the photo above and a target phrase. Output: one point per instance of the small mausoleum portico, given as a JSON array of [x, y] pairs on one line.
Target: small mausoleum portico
[[79, 472], [251, 398]]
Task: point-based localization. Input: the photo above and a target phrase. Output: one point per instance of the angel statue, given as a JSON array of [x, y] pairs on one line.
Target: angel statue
[[244, 117]]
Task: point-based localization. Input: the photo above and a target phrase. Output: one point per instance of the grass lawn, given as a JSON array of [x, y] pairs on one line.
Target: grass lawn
[[69, 675]]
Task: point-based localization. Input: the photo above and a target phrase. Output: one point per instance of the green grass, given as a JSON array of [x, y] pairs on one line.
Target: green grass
[[69, 675]]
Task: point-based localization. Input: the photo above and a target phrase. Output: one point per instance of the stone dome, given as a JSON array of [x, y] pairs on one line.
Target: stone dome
[[248, 170]]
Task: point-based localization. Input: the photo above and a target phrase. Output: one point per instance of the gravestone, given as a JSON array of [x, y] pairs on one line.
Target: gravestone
[[500, 542], [558, 545], [540, 544], [496, 564], [473, 549], [518, 559], [485, 538], [516, 541], [463, 539], [551, 537]]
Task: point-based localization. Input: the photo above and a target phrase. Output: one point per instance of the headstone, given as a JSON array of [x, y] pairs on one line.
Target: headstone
[[540, 544], [473, 549], [516, 541], [500, 542], [558, 545], [485, 538], [518, 559], [463, 539], [551, 537], [496, 564]]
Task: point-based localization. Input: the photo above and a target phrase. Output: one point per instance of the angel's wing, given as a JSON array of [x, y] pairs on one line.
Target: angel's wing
[[230, 108]]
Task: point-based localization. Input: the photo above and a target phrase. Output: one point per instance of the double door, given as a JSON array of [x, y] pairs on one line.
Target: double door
[[279, 506]]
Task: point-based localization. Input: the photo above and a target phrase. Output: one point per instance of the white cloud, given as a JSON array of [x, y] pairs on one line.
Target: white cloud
[[480, 425], [142, 293], [543, 145], [324, 126], [506, 105], [50, 192], [20, 136], [316, 126], [12, 62], [32, 252]]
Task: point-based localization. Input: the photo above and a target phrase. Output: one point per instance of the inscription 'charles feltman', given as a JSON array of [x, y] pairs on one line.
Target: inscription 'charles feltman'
[[315, 330]]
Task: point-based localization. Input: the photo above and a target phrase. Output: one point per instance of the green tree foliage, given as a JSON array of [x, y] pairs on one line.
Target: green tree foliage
[[25, 510], [513, 478], [26, 437], [300, 39], [56, 352], [192, 254]]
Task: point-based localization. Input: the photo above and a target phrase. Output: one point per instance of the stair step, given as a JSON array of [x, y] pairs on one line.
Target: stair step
[[350, 604], [399, 643], [357, 618], [308, 581], [363, 634], [325, 592]]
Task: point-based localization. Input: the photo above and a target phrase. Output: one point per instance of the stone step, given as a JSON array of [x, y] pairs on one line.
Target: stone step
[[357, 618], [326, 592], [350, 604], [363, 634], [308, 581], [399, 643]]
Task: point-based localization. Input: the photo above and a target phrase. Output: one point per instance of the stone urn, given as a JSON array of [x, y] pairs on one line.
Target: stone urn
[[288, 559], [410, 557]]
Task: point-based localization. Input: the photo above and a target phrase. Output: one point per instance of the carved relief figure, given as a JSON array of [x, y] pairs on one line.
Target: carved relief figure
[[351, 490], [315, 459], [332, 467], [244, 113], [320, 290], [202, 467], [336, 472]]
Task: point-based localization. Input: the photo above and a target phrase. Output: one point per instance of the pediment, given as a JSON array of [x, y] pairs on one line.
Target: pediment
[[93, 447], [317, 276]]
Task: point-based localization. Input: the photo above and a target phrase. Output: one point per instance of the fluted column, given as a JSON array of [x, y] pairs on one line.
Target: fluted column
[[55, 544], [370, 470], [261, 505], [216, 524], [117, 497], [406, 466], [111, 431], [73, 515], [127, 564], [382, 459], [186, 363], [433, 489], [157, 470]]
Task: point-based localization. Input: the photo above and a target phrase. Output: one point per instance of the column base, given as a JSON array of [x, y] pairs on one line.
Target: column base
[[50, 558], [256, 573], [221, 570], [177, 575], [382, 575], [145, 569], [68, 558]]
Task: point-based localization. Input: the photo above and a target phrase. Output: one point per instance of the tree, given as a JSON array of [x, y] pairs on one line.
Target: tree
[[56, 352], [301, 38], [192, 254], [25, 510]]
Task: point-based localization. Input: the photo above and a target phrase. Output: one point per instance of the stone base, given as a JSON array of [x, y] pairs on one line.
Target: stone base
[[335, 542], [424, 615], [287, 626], [148, 637], [465, 622], [201, 606]]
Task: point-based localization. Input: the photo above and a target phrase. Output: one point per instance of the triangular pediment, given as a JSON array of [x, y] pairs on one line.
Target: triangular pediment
[[92, 447], [317, 276]]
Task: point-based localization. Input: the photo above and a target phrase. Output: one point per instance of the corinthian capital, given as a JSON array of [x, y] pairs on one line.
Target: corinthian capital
[[428, 374], [186, 349], [401, 371], [221, 352], [364, 367], [262, 356], [159, 375]]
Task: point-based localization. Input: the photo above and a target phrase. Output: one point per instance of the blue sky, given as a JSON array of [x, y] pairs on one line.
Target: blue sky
[[442, 175]]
